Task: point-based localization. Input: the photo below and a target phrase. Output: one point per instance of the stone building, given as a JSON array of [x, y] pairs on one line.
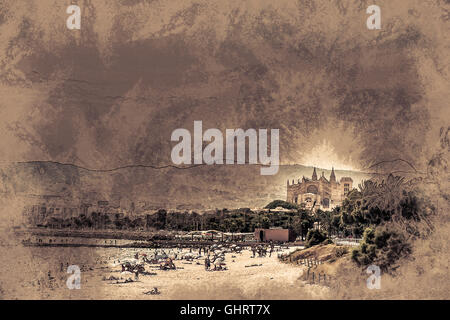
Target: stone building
[[40, 209], [319, 193], [274, 234]]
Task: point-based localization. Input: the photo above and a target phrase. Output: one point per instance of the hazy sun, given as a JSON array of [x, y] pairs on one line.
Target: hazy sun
[[324, 156]]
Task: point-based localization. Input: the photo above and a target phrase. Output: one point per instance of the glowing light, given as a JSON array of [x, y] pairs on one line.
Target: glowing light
[[324, 156]]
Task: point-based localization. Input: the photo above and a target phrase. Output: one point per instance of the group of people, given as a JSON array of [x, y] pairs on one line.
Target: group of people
[[214, 256], [262, 250], [168, 265], [217, 261]]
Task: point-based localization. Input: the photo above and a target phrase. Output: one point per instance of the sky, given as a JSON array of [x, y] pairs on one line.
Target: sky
[[111, 93]]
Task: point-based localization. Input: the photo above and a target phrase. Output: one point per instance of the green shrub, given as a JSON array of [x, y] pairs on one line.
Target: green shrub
[[340, 251], [382, 247], [315, 237], [356, 254]]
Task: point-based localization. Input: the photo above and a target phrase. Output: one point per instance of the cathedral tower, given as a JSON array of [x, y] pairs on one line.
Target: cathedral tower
[[332, 176], [320, 193], [314, 175]]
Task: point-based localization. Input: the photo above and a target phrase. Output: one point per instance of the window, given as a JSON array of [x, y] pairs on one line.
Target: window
[[312, 189]]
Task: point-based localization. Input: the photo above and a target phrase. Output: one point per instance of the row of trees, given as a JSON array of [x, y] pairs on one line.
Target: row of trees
[[97, 221], [238, 220]]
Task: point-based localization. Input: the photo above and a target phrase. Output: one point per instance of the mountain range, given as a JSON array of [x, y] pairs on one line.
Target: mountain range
[[147, 188]]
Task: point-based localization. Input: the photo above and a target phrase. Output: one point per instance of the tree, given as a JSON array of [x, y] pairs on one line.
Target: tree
[[161, 219], [325, 219], [315, 237], [383, 247], [265, 222], [280, 203]]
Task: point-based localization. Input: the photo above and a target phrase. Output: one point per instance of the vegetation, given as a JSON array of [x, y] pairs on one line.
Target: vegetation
[[280, 203], [388, 215], [315, 236], [381, 247], [239, 220]]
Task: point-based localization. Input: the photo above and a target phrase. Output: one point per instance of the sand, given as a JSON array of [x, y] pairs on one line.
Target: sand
[[269, 279]]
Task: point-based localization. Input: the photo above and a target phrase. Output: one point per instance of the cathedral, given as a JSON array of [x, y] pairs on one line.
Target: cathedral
[[319, 193]]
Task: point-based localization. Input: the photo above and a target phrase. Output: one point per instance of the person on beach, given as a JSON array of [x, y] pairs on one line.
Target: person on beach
[[207, 263]]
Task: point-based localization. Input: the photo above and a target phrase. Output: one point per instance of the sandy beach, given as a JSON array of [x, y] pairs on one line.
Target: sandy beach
[[41, 273], [245, 278]]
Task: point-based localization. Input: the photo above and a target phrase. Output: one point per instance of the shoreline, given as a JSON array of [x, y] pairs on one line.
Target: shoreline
[[102, 277]]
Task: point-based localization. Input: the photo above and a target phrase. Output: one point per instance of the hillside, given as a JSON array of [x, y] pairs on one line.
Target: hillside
[[333, 257], [198, 188]]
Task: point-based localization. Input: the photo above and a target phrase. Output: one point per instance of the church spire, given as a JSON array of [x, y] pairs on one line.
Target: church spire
[[314, 175], [332, 176]]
